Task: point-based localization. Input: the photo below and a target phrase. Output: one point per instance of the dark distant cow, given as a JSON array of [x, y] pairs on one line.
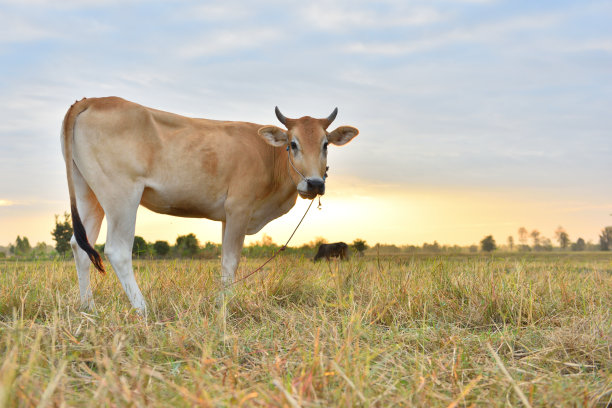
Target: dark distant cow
[[335, 250]]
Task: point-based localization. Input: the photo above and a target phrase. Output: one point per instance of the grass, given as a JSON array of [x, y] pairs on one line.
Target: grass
[[409, 331]]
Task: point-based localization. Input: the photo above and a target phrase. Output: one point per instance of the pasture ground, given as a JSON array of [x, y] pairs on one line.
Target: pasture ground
[[443, 331]]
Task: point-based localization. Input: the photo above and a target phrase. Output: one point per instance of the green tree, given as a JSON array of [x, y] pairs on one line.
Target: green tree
[[22, 246], [139, 247], [40, 250], [187, 245], [488, 244], [523, 234], [535, 235], [62, 234], [562, 237], [211, 250], [605, 239], [510, 242], [360, 245], [161, 248], [579, 245]]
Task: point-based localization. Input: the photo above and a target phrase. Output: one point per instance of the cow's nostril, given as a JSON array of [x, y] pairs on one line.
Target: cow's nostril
[[317, 186]]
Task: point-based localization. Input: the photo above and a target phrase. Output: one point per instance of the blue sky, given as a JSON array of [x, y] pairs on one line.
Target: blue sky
[[502, 100]]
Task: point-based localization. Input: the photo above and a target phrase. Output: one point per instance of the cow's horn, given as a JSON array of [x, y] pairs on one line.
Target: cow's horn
[[280, 116], [331, 117]]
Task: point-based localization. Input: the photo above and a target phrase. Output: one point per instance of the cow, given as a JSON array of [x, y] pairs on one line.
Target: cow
[[335, 250], [120, 155]]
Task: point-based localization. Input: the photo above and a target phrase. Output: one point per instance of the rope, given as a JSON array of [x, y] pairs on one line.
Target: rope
[[277, 252], [291, 163]]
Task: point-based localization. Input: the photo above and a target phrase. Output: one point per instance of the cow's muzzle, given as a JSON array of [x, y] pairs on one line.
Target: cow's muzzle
[[309, 188], [316, 186]]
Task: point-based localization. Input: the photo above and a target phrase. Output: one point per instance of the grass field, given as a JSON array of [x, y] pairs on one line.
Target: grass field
[[395, 331]]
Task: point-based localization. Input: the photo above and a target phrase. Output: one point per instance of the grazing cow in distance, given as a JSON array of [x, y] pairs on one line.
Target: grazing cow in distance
[[335, 250], [120, 155]]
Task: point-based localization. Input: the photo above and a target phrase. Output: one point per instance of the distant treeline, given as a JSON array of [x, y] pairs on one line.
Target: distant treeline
[[188, 246]]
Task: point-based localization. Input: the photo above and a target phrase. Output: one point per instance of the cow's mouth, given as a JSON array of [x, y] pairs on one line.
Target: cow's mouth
[[308, 195]]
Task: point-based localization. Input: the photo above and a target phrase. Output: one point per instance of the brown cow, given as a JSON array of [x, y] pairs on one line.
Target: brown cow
[[335, 250], [120, 155]]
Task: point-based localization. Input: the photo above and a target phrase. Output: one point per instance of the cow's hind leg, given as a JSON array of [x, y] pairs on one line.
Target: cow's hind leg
[[121, 220], [91, 215]]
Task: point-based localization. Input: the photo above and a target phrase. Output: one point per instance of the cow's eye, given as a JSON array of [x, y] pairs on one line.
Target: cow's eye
[[293, 146], [325, 146]]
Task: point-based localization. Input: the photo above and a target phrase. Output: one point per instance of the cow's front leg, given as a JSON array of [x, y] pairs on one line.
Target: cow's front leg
[[234, 230]]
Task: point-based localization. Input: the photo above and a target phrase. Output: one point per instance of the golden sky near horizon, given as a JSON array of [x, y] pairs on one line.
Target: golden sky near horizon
[[378, 213]]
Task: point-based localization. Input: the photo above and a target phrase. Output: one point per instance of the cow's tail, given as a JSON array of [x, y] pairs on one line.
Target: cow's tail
[[67, 143]]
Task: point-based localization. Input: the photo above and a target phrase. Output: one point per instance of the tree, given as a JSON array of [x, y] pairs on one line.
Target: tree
[[266, 241], [488, 244], [40, 250], [187, 245], [605, 239], [579, 245], [360, 245], [523, 234], [62, 234], [318, 241], [211, 250], [139, 247], [22, 246], [562, 237], [535, 235], [431, 248], [510, 242], [161, 248], [545, 244]]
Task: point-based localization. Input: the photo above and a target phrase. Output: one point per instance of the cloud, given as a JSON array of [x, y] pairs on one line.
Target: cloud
[[225, 41], [602, 44], [214, 12], [328, 17], [6, 203], [14, 29], [66, 4], [491, 32]]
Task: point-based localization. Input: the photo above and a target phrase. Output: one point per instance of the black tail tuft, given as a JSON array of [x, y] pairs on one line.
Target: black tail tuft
[[81, 238]]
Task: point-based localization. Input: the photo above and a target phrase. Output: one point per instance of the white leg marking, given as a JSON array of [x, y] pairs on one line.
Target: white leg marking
[[234, 230], [121, 221]]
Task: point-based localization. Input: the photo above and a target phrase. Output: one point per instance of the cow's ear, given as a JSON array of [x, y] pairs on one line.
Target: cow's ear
[[273, 135], [342, 135]]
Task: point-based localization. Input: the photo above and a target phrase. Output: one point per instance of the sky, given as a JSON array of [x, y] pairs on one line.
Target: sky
[[476, 117]]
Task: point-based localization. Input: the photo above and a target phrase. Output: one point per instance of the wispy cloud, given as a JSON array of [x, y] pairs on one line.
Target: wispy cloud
[[15, 29], [490, 32], [6, 203], [214, 12], [330, 17], [66, 4], [225, 41]]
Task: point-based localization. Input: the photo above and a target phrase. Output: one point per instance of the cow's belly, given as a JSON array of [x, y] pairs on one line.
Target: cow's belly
[[184, 203]]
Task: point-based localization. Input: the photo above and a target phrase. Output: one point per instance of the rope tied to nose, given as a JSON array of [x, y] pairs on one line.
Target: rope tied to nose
[[281, 249]]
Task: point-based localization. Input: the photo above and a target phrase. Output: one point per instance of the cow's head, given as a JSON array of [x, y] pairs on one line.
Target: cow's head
[[306, 140]]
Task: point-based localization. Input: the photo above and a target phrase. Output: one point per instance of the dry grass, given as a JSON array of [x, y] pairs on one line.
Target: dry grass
[[368, 332]]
